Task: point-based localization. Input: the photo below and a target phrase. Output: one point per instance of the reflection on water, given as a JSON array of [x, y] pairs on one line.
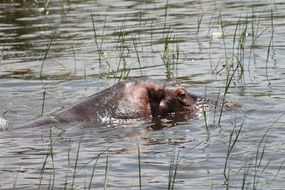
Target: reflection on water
[[192, 43]]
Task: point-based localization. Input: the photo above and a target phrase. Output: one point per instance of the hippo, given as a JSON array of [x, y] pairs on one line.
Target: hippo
[[142, 99]]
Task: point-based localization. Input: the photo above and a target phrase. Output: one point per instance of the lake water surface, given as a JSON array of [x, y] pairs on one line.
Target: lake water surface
[[55, 53]]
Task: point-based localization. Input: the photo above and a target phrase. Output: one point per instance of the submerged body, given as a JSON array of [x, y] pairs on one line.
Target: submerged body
[[137, 99]]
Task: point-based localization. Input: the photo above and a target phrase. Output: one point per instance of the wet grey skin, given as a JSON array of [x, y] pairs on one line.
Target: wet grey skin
[[142, 99]]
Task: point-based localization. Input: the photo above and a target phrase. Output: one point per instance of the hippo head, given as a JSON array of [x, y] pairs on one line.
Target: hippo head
[[168, 101]]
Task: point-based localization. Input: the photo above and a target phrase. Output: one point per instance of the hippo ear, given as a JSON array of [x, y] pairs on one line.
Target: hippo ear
[[156, 93], [182, 96]]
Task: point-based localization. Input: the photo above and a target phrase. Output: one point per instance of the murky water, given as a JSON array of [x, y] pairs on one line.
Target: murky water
[[71, 49]]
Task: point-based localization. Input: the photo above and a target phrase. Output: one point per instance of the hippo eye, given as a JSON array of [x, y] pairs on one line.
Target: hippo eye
[[182, 95], [183, 98]]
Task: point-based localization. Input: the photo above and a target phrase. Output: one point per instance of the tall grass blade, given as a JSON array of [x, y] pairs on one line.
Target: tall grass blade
[[44, 99], [199, 21], [173, 166], [139, 162], [75, 165], [106, 171], [270, 46], [16, 177], [45, 56], [93, 171], [232, 141], [259, 155], [226, 88], [49, 151], [69, 165], [137, 54]]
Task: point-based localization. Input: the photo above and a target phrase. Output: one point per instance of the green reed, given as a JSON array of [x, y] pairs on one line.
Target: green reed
[[256, 25], [254, 168], [128, 42], [2, 52], [50, 153], [121, 47], [240, 35], [170, 55], [234, 62], [69, 165], [46, 54], [93, 171], [77, 169], [204, 111], [270, 45], [137, 53], [122, 68], [228, 82], [74, 58], [75, 165], [166, 54], [43, 99], [233, 138], [139, 165], [99, 44], [106, 170], [199, 22], [173, 167], [16, 177], [259, 155]]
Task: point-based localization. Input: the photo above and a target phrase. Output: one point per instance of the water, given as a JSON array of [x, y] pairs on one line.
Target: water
[[54, 47]]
